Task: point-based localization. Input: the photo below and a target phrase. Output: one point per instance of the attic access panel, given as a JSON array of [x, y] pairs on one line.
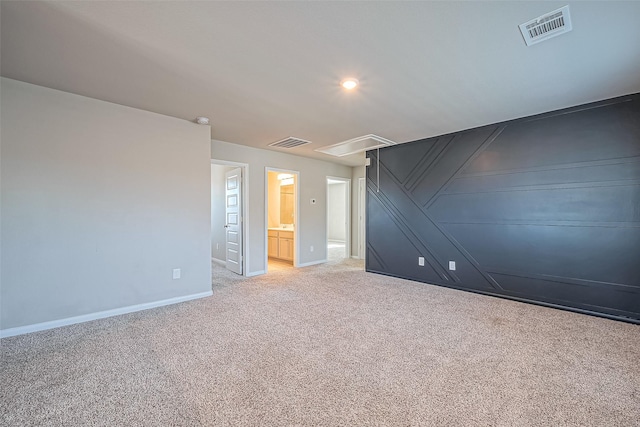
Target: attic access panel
[[356, 145]]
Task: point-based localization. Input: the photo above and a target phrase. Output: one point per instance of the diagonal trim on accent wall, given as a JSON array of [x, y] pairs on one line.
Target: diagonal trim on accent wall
[[542, 209]]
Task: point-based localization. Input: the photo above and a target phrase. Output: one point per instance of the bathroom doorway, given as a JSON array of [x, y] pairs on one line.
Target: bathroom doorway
[[282, 219], [338, 218]]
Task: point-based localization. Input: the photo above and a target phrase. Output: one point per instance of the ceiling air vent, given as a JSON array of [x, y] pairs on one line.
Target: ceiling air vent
[[289, 142], [356, 145], [546, 26]]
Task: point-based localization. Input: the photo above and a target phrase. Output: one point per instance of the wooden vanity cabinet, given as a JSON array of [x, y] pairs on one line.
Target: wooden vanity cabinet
[[280, 244]]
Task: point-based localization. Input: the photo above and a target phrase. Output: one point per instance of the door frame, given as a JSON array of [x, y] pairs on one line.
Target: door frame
[[347, 204], [362, 210], [244, 208], [296, 230]]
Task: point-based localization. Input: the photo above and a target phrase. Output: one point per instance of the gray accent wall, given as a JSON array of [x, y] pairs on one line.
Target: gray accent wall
[[543, 209], [100, 202]]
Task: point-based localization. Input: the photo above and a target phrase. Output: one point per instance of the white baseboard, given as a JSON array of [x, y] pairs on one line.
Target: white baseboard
[[307, 264], [255, 273], [20, 330], [248, 274]]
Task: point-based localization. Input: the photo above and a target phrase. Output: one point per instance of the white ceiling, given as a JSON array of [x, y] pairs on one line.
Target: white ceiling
[[263, 71]]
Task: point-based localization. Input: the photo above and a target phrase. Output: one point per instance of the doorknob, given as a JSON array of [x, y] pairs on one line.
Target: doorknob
[[226, 226]]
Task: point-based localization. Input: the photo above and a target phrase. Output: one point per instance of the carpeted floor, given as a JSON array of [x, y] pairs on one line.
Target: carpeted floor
[[328, 345]]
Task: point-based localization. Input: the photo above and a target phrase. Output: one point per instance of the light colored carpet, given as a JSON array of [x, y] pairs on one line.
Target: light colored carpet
[[336, 251], [327, 345]]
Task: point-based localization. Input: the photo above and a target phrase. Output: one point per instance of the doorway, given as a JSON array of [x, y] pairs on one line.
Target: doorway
[[338, 215], [282, 219], [229, 212], [362, 242]]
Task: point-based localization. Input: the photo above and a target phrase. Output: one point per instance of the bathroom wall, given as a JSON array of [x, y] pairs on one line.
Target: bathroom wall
[[273, 200]]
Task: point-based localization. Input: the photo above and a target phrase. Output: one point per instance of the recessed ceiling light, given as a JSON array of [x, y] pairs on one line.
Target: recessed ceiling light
[[202, 120], [349, 83]]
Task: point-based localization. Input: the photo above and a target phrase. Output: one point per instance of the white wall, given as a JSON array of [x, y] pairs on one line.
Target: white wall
[[99, 203], [313, 183], [336, 222]]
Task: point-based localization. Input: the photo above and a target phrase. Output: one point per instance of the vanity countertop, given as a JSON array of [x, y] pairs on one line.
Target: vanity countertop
[[281, 228]]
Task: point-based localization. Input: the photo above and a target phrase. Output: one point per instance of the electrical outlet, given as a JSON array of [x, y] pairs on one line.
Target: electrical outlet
[[217, 246], [176, 273], [452, 265], [421, 261], [311, 249]]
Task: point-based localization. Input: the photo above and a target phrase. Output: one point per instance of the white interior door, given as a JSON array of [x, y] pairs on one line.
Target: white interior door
[[233, 219]]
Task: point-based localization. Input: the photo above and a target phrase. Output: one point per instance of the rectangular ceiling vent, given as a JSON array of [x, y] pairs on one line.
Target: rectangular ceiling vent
[[546, 26], [289, 142], [356, 145]]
